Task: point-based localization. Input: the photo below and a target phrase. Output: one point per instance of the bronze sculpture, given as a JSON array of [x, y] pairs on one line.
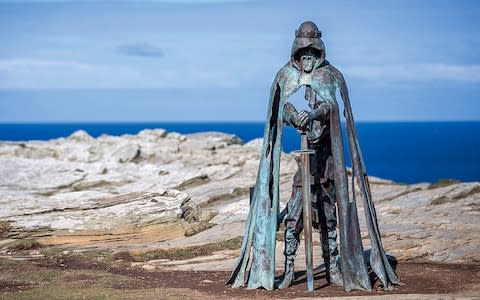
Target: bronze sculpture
[[321, 126]]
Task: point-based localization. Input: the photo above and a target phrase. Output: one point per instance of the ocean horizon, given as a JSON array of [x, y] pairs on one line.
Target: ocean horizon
[[405, 152]]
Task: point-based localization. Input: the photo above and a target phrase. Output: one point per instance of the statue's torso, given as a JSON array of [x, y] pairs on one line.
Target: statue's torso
[[323, 83], [321, 80]]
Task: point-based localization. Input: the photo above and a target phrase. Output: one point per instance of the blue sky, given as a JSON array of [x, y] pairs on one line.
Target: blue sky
[[68, 61]]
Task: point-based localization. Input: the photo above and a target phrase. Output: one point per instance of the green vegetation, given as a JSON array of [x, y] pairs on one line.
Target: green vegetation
[[182, 253], [5, 227], [51, 251], [443, 182], [22, 244], [8, 262], [30, 282]]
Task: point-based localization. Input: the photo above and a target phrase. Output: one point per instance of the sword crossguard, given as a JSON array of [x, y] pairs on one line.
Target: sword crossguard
[[303, 152]]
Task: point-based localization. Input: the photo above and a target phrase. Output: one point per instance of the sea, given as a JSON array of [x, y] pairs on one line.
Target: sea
[[405, 152]]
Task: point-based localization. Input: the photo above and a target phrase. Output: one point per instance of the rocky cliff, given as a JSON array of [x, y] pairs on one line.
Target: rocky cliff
[[159, 189]]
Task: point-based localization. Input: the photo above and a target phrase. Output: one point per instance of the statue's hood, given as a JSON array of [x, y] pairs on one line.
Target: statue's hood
[[308, 36]]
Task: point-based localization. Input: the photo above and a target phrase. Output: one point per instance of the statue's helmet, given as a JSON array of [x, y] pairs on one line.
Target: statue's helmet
[[308, 36]]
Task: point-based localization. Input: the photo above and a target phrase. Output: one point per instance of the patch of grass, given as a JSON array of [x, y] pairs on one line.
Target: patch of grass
[[5, 227], [99, 255], [51, 251], [184, 253], [24, 271], [59, 257], [4, 262], [443, 182], [22, 244], [40, 276], [97, 292], [82, 284], [53, 257]]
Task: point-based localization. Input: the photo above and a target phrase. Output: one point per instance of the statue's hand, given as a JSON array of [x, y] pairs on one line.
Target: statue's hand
[[303, 119]]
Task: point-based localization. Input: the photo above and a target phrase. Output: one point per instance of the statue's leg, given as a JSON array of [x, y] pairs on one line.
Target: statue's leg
[[329, 234], [293, 228]]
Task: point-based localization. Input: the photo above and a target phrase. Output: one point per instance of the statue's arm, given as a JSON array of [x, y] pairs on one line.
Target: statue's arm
[[303, 118], [321, 112], [290, 115]]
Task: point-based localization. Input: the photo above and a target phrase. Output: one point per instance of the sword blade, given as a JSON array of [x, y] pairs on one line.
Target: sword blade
[[307, 213]]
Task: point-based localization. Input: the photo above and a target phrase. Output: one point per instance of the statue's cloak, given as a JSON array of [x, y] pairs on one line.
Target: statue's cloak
[[255, 266]]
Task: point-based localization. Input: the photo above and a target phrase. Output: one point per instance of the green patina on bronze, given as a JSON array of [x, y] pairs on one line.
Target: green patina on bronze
[[255, 267]]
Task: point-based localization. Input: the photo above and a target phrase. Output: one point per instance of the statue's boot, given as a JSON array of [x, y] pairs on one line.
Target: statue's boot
[[334, 274], [332, 263], [292, 241], [289, 274]]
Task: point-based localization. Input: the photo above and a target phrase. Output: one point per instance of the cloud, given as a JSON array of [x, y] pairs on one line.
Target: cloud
[[29, 73], [141, 49], [132, 1], [35, 73], [53, 74], [417, 72]]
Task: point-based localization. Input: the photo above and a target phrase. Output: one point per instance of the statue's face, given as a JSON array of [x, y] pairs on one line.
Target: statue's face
[[308, 62]]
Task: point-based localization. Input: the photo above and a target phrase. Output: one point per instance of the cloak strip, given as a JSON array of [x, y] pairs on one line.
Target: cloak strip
[[378, 259], [261, 225], [257, 269]]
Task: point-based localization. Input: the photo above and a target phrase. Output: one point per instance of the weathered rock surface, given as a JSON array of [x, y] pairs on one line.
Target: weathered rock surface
[[148, 190]]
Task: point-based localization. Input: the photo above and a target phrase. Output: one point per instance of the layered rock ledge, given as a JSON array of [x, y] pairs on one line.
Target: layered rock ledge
[[159, 189]]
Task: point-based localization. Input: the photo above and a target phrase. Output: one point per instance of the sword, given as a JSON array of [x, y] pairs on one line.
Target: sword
[[304, 154]]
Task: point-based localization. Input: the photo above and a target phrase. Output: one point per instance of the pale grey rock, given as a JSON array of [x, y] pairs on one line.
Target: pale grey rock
[[209, 141], [81, 136], [221, 172], [34, 152], [177, 136], [190, 211], [236, 211], [148, 267], [9, 148], [127, 152], [152, 135], [140, 190], [38, 174], [255, 143], [106, 212]]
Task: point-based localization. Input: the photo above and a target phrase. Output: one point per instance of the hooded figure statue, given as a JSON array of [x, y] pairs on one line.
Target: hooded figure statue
[[255, 266]]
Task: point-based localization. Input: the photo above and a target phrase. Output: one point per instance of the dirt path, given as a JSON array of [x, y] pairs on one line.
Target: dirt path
[[85, 278]]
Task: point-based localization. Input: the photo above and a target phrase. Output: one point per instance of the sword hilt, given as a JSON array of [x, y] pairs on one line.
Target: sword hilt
[[304, 142]]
